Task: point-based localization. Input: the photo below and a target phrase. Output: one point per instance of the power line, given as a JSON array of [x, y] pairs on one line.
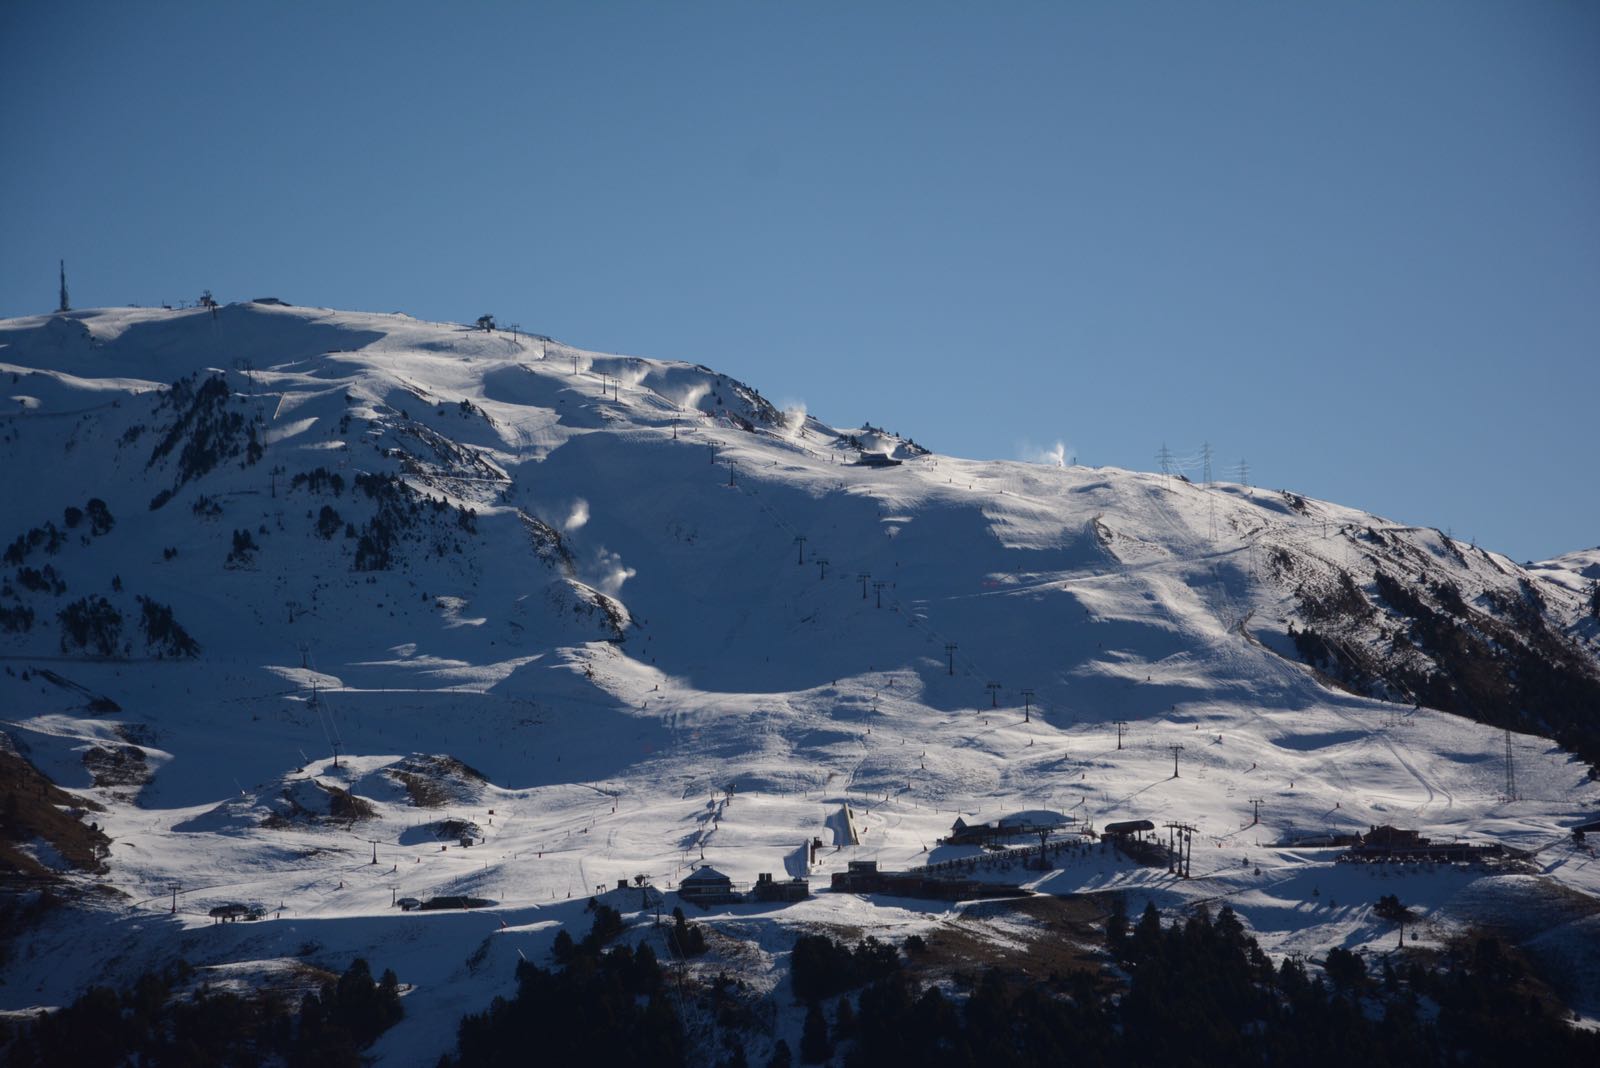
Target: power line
[[1164, 458]]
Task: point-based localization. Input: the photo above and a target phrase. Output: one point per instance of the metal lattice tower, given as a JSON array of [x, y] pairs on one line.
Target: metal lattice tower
[[1164, 458], [1511, 770], [65, 305], [1211, 504]]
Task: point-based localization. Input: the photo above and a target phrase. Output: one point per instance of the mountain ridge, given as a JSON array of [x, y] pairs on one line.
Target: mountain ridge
[[608, 581]]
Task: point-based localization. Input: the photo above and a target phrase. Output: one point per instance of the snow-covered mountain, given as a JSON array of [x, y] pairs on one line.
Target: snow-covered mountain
[[289, 589]]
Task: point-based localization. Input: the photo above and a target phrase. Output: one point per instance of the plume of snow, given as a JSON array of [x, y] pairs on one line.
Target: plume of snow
[[691, 397], [794, 417], [577, 516], [1055, 455], [612, 574]]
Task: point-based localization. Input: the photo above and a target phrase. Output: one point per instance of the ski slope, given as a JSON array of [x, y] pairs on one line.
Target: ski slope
[[607, 612]]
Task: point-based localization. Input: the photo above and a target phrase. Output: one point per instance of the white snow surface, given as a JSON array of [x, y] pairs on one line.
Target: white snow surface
[[681, 677]]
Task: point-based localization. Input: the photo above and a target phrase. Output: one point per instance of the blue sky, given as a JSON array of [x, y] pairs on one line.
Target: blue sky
[[1356, 244]]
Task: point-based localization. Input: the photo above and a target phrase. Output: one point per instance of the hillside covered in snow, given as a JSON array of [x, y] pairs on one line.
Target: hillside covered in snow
[[312, 611]]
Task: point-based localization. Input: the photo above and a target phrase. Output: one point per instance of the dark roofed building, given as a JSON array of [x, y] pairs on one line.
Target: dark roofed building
[[1395, 844], [707, 886], [769, 889], [863, 877], [1034, 821], [1388, 837]]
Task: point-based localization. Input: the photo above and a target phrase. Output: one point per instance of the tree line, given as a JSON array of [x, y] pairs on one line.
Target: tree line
[[155, 1023]]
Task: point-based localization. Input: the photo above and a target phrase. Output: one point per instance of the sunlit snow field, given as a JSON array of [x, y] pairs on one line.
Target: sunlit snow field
[[761, 683]]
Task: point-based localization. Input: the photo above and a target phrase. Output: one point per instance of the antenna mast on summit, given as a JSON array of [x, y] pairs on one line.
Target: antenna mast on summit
[[65, 306]]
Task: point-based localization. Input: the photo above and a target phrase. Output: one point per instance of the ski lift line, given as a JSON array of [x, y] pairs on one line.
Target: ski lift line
[[317, 705], [973, 668], [335, 739]]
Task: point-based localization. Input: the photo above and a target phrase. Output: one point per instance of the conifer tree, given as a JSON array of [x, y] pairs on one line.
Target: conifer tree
[[814, 1045]]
